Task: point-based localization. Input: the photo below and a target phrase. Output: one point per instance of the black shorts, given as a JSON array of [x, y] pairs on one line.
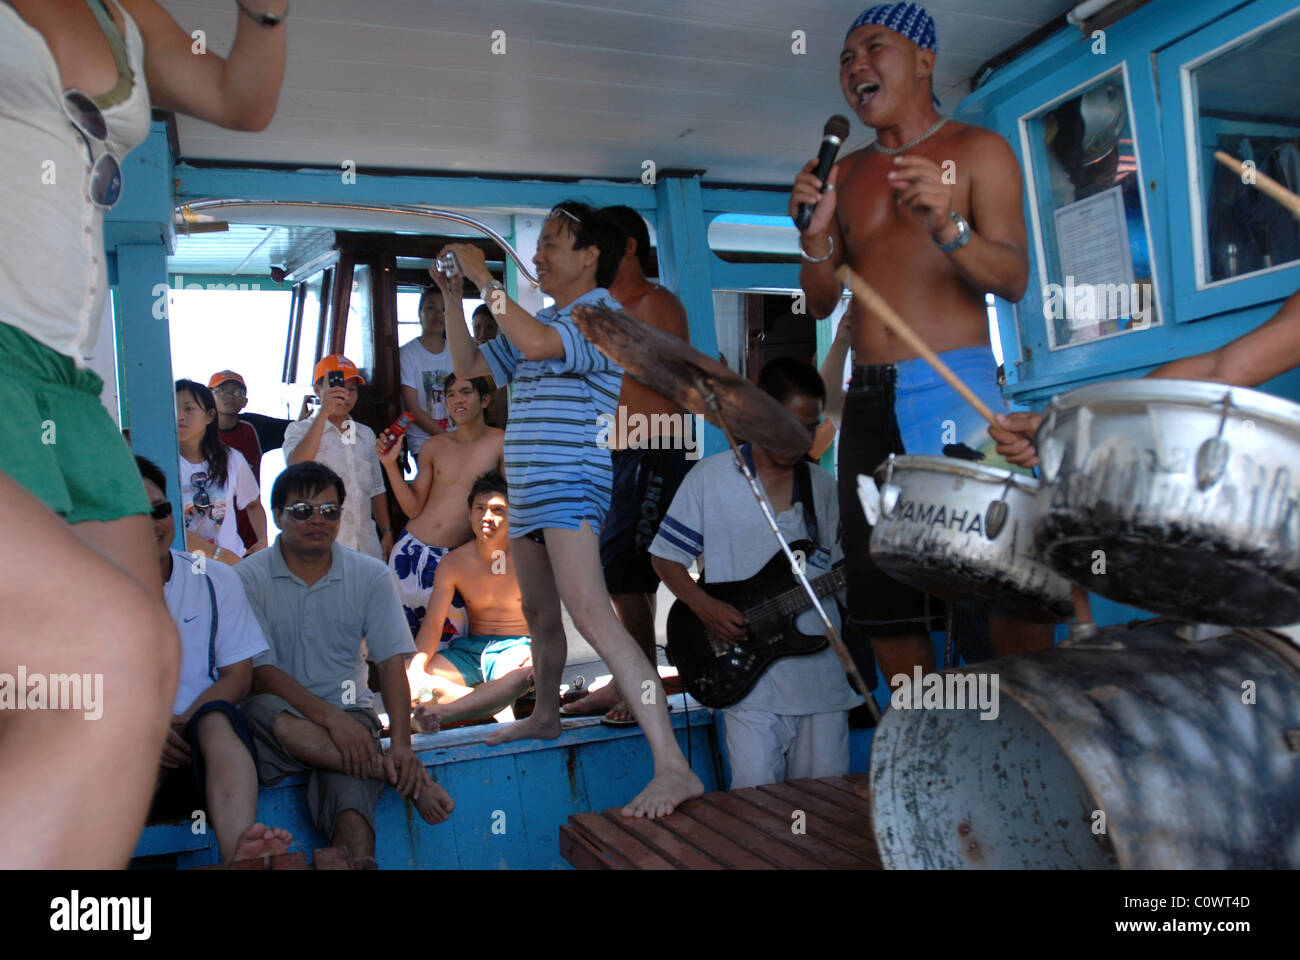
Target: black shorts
[[879, 605], [645, 482], [184, 789]]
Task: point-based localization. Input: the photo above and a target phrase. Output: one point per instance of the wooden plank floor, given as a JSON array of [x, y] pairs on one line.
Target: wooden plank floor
[[797, 825]]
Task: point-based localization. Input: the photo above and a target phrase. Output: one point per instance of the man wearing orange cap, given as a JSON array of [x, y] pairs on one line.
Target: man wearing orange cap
[[231, 394], [333, 438]]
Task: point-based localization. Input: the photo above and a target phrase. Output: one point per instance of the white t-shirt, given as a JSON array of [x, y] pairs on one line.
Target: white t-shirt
[[238, 634], [715, 519], [425, 373], [350, 453], [209, 520]]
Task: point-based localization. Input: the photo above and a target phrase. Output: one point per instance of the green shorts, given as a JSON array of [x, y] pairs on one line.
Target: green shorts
[[56, 438], [478, 657]]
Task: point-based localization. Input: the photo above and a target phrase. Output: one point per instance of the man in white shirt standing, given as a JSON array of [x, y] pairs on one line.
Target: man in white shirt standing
[[333, 438], [426, 361]]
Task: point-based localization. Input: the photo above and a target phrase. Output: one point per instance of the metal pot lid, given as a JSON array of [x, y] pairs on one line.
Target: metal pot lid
[[1194, 393], [956, 467]]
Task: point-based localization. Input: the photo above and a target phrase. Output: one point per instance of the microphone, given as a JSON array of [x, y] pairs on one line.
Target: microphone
[[834, 133]]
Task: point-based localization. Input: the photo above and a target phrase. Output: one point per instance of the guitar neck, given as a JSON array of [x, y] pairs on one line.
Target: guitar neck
[[794, 600]]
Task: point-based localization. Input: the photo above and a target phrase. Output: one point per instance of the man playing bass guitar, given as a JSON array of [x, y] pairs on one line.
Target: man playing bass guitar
[[793, 721]]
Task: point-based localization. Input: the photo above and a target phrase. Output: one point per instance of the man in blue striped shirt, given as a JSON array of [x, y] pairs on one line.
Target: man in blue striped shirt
[[560, 477]]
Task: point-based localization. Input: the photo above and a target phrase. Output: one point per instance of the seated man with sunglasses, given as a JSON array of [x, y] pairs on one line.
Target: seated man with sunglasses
[[208, 759], [325, 611]]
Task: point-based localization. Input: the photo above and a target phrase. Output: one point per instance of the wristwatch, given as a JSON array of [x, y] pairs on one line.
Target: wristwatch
[[263, 19], [962, 238], [485, 292]]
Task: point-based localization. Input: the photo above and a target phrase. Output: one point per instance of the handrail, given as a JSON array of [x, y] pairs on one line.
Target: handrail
[[187, 210]]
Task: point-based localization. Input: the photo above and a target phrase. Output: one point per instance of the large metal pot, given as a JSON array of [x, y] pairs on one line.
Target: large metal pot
[[1135, 749], [960, 530], [1176, 496]]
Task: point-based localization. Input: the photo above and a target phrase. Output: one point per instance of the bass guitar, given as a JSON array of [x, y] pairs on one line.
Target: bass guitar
[[718, 673]]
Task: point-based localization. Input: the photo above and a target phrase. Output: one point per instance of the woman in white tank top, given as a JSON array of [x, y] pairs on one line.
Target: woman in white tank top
[[85, 596]]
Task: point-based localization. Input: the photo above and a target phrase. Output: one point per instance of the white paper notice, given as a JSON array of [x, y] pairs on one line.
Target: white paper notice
[[1092, 236]]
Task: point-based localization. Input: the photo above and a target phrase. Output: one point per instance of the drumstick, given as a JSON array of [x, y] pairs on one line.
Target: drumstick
[[877, 305], [1262, 182]]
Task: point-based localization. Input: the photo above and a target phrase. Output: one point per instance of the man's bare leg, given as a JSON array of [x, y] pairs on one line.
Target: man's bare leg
[[541, 604], [352, 831], [109, 626], [577, 553], [232, 794], [902, 654], [636, 611], [1011, 637], [485, 700]]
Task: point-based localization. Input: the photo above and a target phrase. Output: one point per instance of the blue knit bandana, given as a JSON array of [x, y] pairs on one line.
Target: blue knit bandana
[[908, 19]]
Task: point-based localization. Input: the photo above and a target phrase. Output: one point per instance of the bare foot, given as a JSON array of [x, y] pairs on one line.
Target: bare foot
[[619, 713], [259, 840], [425, 719], [662, 794], [432, 801], [533, 728]]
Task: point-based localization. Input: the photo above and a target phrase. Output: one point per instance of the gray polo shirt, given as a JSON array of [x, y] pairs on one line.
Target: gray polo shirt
[[319, 634]]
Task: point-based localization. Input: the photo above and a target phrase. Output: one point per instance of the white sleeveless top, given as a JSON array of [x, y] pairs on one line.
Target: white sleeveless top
[[52, 274]]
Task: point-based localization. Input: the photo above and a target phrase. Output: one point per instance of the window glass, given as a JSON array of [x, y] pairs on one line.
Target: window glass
[[1090, 225], [358, 338], [1247, 104]]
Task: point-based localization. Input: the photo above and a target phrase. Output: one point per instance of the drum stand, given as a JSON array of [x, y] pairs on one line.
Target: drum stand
[[846, 660]]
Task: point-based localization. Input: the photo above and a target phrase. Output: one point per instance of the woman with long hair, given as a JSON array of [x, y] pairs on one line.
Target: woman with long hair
[[82, 589], [216, 480]]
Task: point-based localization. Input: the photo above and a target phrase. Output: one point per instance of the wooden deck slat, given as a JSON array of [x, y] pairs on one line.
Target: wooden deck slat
[[760, 843], [777, 824], [830, 853], [660, 836], [750, 828], [846, 800], [581, 854], [612, 840], [826, 821]]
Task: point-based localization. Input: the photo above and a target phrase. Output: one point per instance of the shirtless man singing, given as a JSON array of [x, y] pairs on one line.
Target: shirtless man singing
[[931, 216], [448, 464]]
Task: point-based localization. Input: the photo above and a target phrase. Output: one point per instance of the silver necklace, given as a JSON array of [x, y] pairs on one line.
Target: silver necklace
[[894, 151]]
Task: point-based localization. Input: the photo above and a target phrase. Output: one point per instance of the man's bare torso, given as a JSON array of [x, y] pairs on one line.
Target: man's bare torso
[[889, 250], [636, 396], [492, 598], [456, 464]]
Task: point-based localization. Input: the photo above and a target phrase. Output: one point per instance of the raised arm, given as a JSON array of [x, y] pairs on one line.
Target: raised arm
[[822, 239], [534, 339], [239, 91], [410, 497], [466, 359]]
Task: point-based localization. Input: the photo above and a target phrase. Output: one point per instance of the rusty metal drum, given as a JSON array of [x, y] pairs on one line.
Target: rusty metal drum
[[960, 530], [1148, 746], [1176, 496]]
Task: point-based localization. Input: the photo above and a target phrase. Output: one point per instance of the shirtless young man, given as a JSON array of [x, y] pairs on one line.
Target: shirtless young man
[[448, 464], [483, 674], [931, 216], [647, 474], [560, 478]]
